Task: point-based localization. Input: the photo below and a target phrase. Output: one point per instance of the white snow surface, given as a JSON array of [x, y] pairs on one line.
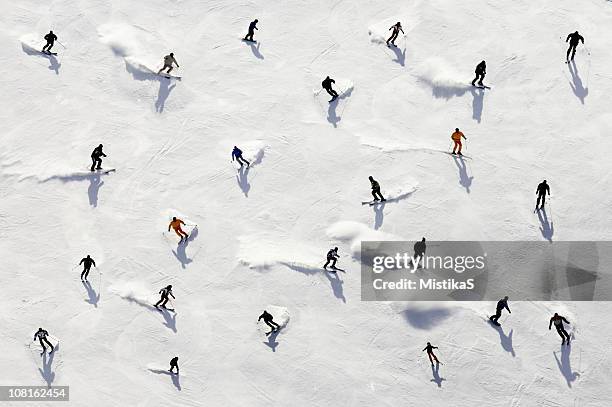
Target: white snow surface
[[262, 233]]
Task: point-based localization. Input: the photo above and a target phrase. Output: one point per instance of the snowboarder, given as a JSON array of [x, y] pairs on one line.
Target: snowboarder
[[332, 256], [165, 292], [419, 251], [237, 155], [558, 320], [268, 319], [376, 190], [252, 28], [50, 38], [42, 334], [176, 225], [481, 71], [87, 262], [456, 136], [429, 348], [541, 192], [396, 29], [574, 39], [327, 85], [501, 304], [173, 364], [168, 63], [96, 158]]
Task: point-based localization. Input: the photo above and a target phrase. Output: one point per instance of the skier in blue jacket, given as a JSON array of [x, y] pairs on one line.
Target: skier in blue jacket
[[237, 155]]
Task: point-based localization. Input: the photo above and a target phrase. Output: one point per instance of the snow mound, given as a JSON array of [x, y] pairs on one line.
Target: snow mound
[[354, 233], [444, 80], [135, 292], [280, 314], [262, 254]]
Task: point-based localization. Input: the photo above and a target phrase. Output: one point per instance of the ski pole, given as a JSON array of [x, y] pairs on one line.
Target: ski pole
[[61, 44]]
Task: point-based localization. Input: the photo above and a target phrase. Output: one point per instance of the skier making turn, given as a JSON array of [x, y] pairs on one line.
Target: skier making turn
[[41, 335], [501, 304], [397, 27], [574, 39], [429, 348], [176, 225], [237, 155], [96, 158], [327, 85], [50, 38], [268, 319], [332, 256], [173, 364], [165, 292], [456, 137], [168, 64], [376, 190], [252, 28], [87, 262], [558, 320], [481, 71]]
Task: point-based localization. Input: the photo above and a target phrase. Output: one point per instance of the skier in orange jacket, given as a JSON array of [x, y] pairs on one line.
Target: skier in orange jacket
[[456, 136], [176, 225]]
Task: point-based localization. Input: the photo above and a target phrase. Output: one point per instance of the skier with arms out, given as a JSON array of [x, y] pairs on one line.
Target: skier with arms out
[[237, 156], [429, 348], [169, 63], [252, 28], [574, 39], [376, 190], [396, 29], [481, 71], [96, 158], [87, 262], [176, 225], [165, 292], [558, 320], [541, 192], [173, 364], [456, 137], [268, 319], [50, 38], [501, 304], [41, 335], [327, 85], [332, 256]]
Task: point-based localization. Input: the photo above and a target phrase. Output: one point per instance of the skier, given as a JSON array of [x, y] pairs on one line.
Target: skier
[[252, 28], [332, 256], [327, 85], [574, 39], [501, 304], [173, 364], [96, 158], [396, 29], [268, 319], [429, 348], [541, 192], [87, 263], [165, 292], [419, 251], [237, 154], [558, 320], [42, 334], [456, 136], [168, 63], [50, 38], [481, 71], [176, 225], [376, 190]]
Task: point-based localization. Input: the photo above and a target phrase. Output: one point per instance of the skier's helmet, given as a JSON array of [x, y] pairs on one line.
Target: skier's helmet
[[173, 218], [456, 128]]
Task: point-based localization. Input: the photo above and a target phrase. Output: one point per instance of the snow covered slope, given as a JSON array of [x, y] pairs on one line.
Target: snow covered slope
[[262, 233]]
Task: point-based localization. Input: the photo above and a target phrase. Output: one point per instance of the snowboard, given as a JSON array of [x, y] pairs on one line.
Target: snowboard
[[103, 171], [275, 331], [372, 203], [48, 53], [250, 41], [481, 86], [167, 76], [161, 309]]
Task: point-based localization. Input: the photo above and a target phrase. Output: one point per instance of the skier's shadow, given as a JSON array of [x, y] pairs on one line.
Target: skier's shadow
[[332, 116], [336, 284], [254, 49], [271, 342], [547, 229], [94, 297], [579, 90], [379, 214], [162, 95], [506, 341], [435, 371], [47, 362], [477, 103], [565, 365], [400, 55], [181, 249], [95, 182], [53, 64], [170, 319], [174, 376], [243, 181], [464, 179]]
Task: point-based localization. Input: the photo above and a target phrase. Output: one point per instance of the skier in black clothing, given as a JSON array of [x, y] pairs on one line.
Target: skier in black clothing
[[165, 292], [501, 304], [481, 71], [429, 348], [376, 190], [558, 320], [237, 155], [173, 364], [252, 28], [574, 39], [419, 251], [332, 256], [87, 262], [42, 334], [396, 29], [268, 319], [327, 85], [96, 158], [50, 38], [541, 191]]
